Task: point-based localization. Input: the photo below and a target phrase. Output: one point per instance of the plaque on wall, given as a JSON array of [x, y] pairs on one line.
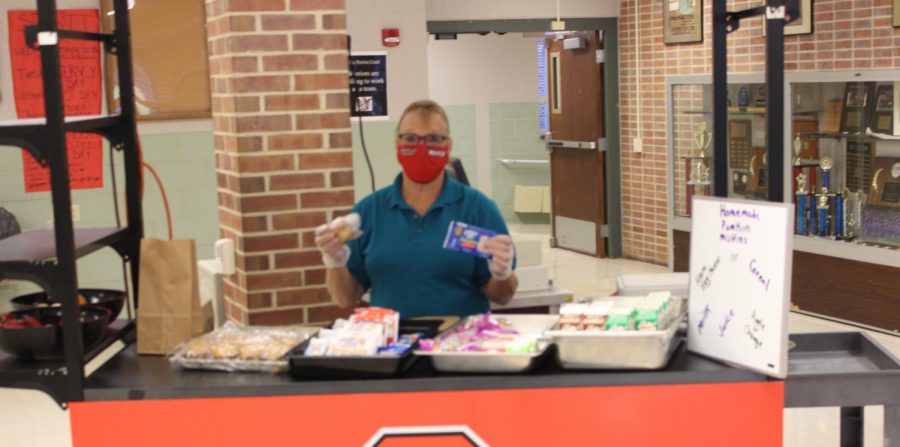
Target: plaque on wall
[[885, 185], [832, 122], [891, 193], [859, 99], [739, 133], [756, 185], [860, 165], [896, 13], [810, 148], [883, 117], [807, 98], [739, 181], [682, 21]]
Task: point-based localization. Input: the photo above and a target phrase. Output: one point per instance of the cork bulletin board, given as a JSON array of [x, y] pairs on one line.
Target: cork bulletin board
[[171, 71]]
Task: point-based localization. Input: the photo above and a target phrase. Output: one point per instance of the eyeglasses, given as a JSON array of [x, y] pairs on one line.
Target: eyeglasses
[[433, 140]]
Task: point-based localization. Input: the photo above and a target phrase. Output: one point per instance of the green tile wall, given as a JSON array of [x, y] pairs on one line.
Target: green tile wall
[[186, 165], [515, 135], [462, 127]]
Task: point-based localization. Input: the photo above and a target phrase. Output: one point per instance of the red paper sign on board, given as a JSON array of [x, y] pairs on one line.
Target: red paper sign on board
[[81, 81]]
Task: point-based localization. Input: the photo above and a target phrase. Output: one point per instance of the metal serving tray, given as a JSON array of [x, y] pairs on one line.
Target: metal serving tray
[[490, 362], [616, 350]]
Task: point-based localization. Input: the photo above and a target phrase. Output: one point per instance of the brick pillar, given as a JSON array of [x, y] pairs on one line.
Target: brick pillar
[[283, 149]]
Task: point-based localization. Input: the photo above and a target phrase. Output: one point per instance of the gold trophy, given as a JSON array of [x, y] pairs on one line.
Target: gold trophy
[[798, 148], [703, 138], [822, 200], [875, 179], [801, 184], [853, 212], [822, 205], [700, 172], [826, 163]]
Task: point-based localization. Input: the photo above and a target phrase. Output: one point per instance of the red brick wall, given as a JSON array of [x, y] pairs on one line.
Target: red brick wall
[[847, 35], [283, 149]]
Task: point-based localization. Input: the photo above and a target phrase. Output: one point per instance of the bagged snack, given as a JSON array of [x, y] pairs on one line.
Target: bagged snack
[[346, 227], [595, 318], [389, 319], [236, 348], [571, 317], [482, 333], [620, 318], [647, 318], [370, 331]]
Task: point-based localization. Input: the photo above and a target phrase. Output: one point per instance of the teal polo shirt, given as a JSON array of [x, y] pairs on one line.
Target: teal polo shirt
[[400, 257]]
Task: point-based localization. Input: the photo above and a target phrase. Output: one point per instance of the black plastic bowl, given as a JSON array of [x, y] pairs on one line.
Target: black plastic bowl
[[113, 300], [46, 343]]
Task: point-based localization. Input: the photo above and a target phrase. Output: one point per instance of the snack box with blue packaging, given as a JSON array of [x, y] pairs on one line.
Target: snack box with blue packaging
[[386, 362], [468, 239]]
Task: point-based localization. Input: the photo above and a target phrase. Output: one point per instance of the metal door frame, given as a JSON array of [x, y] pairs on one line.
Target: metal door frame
[[609, 27]]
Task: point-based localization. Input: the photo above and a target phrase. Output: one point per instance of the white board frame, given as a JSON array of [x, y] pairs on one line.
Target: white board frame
[[729, 274]]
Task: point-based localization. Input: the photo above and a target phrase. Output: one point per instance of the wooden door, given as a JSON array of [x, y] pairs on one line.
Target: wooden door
[[576, 142]]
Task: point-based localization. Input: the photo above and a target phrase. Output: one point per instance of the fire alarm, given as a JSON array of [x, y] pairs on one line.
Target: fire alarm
[[390, 37]]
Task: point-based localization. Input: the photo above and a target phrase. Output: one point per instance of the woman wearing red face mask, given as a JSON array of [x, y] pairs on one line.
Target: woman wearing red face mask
[[399, 256]]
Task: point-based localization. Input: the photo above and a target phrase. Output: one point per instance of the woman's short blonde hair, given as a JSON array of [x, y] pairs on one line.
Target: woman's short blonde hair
[[425, 108]]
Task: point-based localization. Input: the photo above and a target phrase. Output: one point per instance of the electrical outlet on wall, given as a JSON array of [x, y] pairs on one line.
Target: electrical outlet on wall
[[76, 213], [637, 145]]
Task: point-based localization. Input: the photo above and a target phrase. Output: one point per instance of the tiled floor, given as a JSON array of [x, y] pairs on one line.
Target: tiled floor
[[30, 418]]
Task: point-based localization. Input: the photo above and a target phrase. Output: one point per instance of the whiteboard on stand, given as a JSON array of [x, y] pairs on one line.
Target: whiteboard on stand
[[741, 256]]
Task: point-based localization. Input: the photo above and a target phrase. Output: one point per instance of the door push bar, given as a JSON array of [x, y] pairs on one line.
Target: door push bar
[[599, 145]]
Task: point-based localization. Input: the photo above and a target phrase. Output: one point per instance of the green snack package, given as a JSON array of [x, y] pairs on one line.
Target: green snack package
[[647, 319], [619, 319]]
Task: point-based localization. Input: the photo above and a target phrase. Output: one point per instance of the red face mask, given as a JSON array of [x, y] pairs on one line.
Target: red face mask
[[422, 163]]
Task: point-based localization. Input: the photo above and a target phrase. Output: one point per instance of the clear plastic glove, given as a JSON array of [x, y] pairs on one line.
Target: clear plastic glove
[[331, 237], [501, 249]]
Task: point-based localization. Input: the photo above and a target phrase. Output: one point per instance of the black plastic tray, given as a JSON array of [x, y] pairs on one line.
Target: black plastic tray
[[837, 353], [359, 367]]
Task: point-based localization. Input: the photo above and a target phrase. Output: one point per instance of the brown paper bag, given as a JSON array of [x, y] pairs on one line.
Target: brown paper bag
[[169, 310]]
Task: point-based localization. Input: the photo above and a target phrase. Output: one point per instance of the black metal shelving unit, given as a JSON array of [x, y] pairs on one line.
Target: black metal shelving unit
[[774, 12], [47, 257]]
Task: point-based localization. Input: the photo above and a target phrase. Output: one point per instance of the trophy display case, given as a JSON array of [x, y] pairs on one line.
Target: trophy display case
[[835, 185], [835, 134], [691, 137], [840, 167]]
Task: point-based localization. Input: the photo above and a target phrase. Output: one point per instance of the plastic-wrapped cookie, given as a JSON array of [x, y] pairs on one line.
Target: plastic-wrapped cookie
[[275, 351], [196, 348], [224, 351], [252, 351]]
